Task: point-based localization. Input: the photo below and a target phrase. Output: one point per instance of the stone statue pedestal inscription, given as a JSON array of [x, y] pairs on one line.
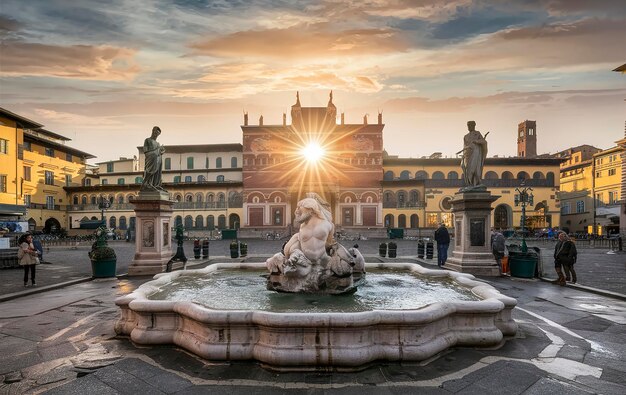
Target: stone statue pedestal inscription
[[472, 226], [153, 245]]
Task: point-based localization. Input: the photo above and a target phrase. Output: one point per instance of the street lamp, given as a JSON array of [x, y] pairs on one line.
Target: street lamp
[[524, 197], [103, 205]]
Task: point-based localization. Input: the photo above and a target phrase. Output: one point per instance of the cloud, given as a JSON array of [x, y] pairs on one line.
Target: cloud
[[74, 61], [302, 42]]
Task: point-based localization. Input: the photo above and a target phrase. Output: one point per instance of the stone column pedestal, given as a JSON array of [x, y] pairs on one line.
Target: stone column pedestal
[[153, 245], [472, 226]]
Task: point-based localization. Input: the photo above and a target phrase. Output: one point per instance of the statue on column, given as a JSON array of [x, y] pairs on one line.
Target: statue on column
[[474, 154], [152, 170]]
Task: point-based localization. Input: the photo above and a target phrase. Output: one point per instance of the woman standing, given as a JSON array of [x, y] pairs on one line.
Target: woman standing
[[27, 255], [565, 255]]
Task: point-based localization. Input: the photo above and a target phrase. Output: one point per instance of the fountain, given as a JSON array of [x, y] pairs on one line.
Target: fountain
[[232, 311]]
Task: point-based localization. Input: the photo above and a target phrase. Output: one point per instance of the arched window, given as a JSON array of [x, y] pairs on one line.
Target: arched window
[[414, 221], [522, 175], [210, 222], [421, 175], [220, 178], [438, 175], [120, 199], [221, 222], [538, 176], [388, 197], [401, 198], [178, 220], [405, 175], [210, 198], [501, 216], [168, 163], [112, 222], [233, 221], [507, 175], [491, 175], [453, 175], [199, 222], [93, 200], [218, 163], [123, 225], [221, 197], [414, 197], [188, 178], [199, 197], [550, 178], [201, 178], [189, 198], [75, 200], [388, 176], [138, 180], [401, 221], [389, 222], [233, 162], [178, 197], [83, 199], [188, 222]]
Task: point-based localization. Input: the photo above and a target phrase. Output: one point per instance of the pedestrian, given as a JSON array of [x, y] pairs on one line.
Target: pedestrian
[[27, 255], [497, 247], [565, 255], [442, 237]]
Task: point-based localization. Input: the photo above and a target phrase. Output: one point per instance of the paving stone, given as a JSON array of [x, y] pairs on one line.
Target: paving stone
[[138, 368], [602, 386], [124, 382], [572, 353], [552, 386], [591, 323], [169, 382], [85, 385]]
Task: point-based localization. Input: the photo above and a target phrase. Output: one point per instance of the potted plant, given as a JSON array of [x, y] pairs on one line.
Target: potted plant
[[234, 249], [103, 258], [382, 250], [243, 249], [393, 247]]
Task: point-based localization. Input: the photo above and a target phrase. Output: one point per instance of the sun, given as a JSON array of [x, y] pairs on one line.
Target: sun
[[313, 152]]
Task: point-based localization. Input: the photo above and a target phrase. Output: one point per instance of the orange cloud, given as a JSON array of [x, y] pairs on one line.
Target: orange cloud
[[75, 61]]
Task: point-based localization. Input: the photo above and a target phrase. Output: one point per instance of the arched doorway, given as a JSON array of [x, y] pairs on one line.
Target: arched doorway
[[414, 221], [389, 222], [501, 217], [32, 224], [233, 221], [401, 221], [52, 225]]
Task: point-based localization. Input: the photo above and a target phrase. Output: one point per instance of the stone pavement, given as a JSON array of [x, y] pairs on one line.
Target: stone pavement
[[62, 341]]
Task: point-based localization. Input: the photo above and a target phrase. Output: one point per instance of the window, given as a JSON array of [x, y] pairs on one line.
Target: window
[[68, 157], [565, 208], [138, 180], [432, 220], [168, 163], [233, 162], [88, 182], [27, 200], [120, 181], [105, 181], [218, 163], [598, 174], [26, 173], [220, 178], [4, 146], [187, 178], [176, 179], [599, 198], [3, 182], [50, 152], [612, 197], [611, 172], [190, 162], [68, 180], [531, 131], [49, 177], [206, 163], [110, 167], [201, 178], [27, 146], [580, 206], [50, 202]]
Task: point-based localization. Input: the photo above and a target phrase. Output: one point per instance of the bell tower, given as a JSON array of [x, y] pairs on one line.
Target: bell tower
[[527, 139]]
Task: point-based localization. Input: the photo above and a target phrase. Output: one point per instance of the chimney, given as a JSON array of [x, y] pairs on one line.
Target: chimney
[[380, 118], [245, 118], [261, 120], [284, 119], [343, 118], [365, 119]]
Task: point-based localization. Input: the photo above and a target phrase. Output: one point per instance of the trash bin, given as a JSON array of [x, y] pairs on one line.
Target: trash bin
[[205, 248], [229, 234], [420, 248], [523, 264], [429, 250], [396, 233]]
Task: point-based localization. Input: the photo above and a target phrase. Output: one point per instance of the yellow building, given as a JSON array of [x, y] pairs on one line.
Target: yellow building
[[12, 207], [576, 195], [607, 183], [417, 192]]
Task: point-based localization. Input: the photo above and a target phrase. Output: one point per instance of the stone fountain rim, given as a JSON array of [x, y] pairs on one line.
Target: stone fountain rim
[[491, 299]]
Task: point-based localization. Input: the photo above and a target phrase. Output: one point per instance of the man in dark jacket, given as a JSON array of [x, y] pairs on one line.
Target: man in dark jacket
[[498, 247], [442, 237], [565, 255]]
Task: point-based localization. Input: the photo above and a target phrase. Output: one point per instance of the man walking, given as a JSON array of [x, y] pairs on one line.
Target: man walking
[[497, 247], [442, 237]]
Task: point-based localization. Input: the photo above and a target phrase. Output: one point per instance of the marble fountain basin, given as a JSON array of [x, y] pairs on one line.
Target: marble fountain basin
[[224, 312]]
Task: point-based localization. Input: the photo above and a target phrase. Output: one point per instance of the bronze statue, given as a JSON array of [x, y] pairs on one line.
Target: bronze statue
[[474, 154], [152, 169]]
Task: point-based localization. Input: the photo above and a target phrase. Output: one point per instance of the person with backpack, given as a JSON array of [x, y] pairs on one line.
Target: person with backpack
[[497, 247], [442, 237]]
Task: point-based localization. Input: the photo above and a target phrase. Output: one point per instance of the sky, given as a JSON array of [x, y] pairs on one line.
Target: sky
[[104, 72]]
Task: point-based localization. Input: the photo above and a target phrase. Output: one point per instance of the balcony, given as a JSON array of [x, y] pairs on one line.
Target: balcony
[[404, 205]]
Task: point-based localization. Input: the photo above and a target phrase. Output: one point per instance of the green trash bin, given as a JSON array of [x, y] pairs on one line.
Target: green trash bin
[[104, 268], [523, 264], [229, 234], [396, 233]]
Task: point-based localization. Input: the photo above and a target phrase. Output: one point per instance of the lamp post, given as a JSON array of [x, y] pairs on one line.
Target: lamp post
[[103, 205], [524, 196]]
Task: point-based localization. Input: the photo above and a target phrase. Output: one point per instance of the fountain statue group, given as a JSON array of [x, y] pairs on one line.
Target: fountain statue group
[[312, 261]]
